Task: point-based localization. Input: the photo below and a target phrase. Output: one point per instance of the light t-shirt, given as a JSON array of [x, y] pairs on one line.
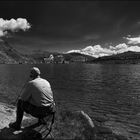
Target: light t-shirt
[[38, 92]]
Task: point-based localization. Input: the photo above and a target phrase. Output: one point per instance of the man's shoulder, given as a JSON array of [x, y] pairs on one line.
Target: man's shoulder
[[45, 81], [39, 80], [31, 82]]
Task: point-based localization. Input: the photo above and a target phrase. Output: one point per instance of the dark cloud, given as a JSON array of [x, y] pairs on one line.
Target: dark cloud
[[75, 23]]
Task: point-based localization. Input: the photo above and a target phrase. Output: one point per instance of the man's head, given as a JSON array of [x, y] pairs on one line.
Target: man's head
[[34, 73]]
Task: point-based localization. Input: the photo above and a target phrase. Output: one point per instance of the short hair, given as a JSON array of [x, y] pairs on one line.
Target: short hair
[[35, 71]]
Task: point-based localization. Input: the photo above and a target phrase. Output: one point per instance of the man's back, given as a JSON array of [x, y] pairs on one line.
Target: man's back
[[40, 92]]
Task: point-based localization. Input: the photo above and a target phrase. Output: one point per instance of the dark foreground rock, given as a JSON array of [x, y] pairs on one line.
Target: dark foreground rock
[[68, 125], [32, 131]]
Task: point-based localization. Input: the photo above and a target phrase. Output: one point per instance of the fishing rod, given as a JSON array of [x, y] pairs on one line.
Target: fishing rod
[[19, 94]]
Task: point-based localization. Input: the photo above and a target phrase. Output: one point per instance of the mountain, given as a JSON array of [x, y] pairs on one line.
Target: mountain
[[126, 57], [121, 53], [39, 55], [99, 51], [94, 51], [9, 55], [89, 51], [77, 57]]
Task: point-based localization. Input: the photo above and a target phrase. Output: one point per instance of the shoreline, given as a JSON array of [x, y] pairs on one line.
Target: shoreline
[[81, 124]]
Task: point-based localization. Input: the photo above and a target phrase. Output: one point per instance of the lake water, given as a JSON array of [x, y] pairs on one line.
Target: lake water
[[98, 89]]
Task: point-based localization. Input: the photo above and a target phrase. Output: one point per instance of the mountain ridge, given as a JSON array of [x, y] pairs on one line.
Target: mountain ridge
[[9, 55], [125, 57]]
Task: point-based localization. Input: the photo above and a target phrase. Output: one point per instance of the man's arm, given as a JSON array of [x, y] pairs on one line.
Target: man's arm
[[26, 94]]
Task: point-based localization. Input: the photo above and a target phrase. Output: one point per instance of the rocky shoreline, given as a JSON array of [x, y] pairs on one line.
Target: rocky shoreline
[[68, 125]]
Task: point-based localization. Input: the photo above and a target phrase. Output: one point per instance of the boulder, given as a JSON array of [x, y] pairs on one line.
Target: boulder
[[30, 128], [68, 125]]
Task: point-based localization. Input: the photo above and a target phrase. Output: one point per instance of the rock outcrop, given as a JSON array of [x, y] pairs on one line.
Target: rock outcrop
[[68, 125]]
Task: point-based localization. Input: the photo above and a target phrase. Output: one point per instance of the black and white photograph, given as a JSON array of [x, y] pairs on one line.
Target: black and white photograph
[[70, 70]]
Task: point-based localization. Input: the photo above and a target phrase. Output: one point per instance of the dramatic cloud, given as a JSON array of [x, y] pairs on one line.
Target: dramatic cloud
[[133, 40], [134, 49], [98, 51], [13, 25], [119, 48]]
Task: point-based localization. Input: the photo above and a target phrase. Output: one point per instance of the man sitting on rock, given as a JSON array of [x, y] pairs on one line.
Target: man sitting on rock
[[36, 99]]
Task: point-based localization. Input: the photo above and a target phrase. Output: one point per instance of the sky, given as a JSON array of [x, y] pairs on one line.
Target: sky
[[61, 26]]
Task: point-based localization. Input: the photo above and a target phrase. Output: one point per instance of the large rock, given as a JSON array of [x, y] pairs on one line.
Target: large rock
[[68, 125], [30, 128], [74, 125]]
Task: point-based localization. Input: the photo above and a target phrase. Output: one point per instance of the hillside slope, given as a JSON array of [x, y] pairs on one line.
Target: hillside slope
[[74, 56], [126, 57], [9, 55]]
